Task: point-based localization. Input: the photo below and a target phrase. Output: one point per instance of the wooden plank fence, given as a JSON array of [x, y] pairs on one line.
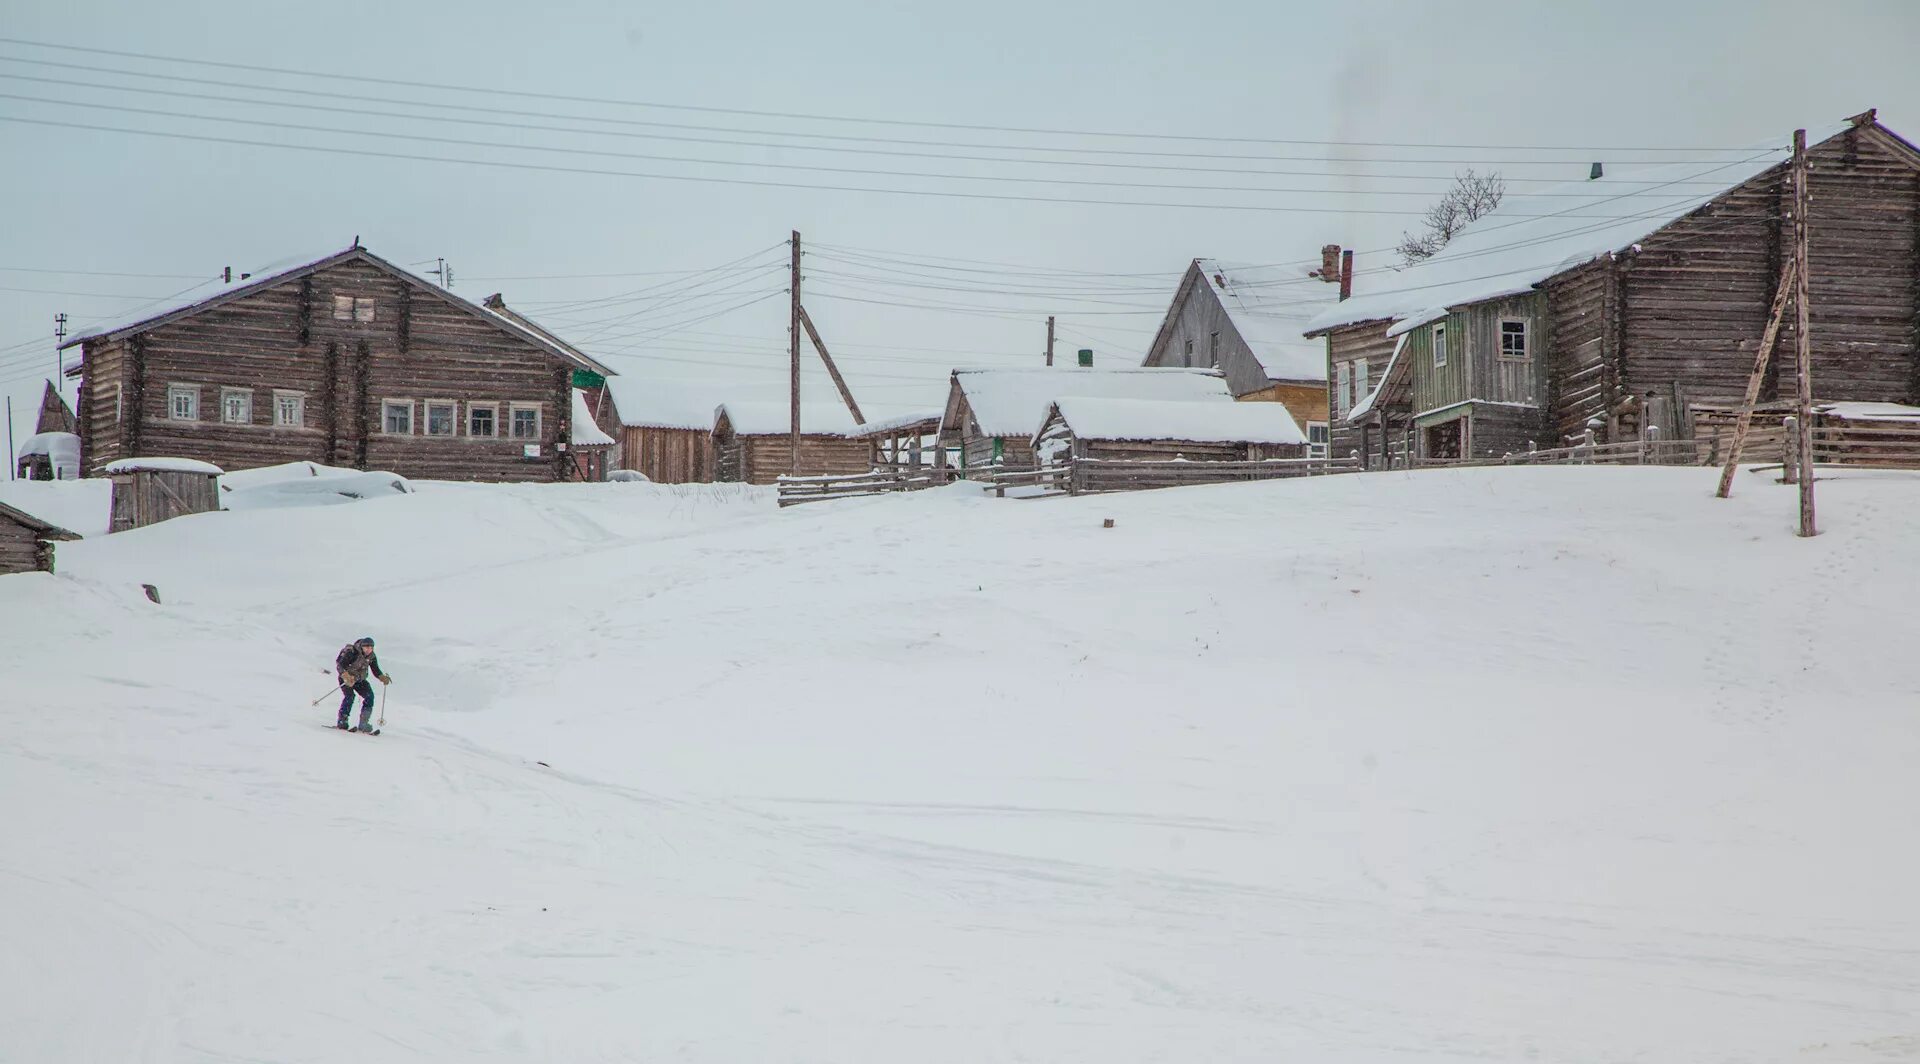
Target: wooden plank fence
[[796, 490]]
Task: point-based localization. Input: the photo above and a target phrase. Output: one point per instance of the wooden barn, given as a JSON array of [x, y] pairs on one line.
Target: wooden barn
[[752, 442], [1634, 301], [992, 414], [665, 427], [1247, 323], [26, 542], [346, 360], [147, 491]]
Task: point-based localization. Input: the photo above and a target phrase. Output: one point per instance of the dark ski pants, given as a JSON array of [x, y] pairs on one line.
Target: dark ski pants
[[365, 691]]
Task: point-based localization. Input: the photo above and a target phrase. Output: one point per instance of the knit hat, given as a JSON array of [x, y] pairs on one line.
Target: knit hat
[[363, 641]]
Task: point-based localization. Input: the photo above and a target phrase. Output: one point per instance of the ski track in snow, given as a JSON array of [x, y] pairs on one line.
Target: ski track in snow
[[1621, 776]]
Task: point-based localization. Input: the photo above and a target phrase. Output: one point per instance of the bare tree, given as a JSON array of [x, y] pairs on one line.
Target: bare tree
[[1472, 196]]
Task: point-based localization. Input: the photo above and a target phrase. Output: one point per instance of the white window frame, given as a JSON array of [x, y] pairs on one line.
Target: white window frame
[[1439, 342], [413, 422], [426, 419], [1526, 340], [538, 421], [192, 391], [1213, 350], [491, 406], [1342, 388], [1318, 448], [245, 395], [299, 400]]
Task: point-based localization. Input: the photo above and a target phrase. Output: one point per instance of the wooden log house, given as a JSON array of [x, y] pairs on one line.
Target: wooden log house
[[752, 442], [26, 542], [1098, 438], [346, 360], [1247, 324], [992, 414], [665, 427], [1634, 302]]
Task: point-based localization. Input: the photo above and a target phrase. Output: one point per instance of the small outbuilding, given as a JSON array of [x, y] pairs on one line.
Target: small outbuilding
[[595, 453], [26, 542], [752, 442], [49, 456], [147, 491], [992, 414]]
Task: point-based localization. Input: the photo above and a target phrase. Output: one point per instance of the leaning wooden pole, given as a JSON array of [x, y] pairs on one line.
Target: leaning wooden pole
[[1803, 342], [846, 394], [793, 361], [1760, 361]]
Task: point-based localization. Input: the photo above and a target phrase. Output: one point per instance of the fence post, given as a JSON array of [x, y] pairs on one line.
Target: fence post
[[1586, 442], [1790, 451], [1650, 444]]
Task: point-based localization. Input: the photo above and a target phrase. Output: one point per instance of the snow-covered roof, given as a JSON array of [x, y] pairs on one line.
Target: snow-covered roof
[[904, 420], [1270, 313], [496, 307], [1012, 402], [162, 465], [759, 418], [58, 446], [586, 432], [646, 401], [45, 529], [1533, 236], [1161, 419], [1870, 411], [199, 298]]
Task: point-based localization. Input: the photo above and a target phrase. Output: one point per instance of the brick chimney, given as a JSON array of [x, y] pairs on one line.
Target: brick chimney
[[1346, 273], [1329, 270]]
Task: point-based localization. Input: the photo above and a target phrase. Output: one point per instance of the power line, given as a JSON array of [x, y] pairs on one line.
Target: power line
[[801, 116]]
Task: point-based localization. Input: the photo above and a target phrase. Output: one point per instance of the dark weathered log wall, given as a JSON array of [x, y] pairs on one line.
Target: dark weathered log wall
[[765, 459], [668, 456], [21, 550], [1369, 341], [1580, 380], [396, 344]]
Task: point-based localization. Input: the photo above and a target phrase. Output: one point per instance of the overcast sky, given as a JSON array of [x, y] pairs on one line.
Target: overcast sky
[[1612, 81]]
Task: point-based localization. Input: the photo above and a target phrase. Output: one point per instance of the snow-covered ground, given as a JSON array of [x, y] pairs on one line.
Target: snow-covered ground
[[1505, 764]]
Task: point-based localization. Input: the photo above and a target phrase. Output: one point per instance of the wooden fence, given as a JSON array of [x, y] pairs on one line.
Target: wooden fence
[[796, 490]]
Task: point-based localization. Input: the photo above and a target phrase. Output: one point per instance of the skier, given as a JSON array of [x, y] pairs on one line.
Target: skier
[[353, 663]]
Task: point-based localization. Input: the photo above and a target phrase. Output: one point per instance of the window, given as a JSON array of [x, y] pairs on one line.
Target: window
[[236, 406], [441, 418], [396, 417], [480, 420], [1361, 388], [1439, 346], [1317, 439], [1342, 387], [1213, 350], [183, 402], [352, 308], [526, 422], [289, 410], [1189, 360], [1513, 340]]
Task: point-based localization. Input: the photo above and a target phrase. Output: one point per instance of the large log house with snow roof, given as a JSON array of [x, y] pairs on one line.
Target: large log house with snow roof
[[1635, 301], [346, 360], [1247, 324]]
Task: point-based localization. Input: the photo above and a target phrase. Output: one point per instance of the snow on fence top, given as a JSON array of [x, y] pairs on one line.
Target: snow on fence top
[[1532, 236], [1271, 314], [1012, 402], [1193, 422], [162, 465], [586, 432], [883, 426], [1870, 411], [776, 419]]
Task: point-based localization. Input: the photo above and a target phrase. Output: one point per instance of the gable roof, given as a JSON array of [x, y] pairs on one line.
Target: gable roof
[[1013, 402], [41, 528], [273, 275], [55, 414], [1271, 316], [1533, 236], [760, 418], [1093, 418], [497, 306]]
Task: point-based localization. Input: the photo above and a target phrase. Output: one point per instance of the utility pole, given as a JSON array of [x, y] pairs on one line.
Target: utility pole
[[10, 437], [1803, 342], [444, 272], [59, 337], [1049, 339], [793, 360]]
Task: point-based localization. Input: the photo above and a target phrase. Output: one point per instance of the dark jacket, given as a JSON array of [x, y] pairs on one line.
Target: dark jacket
[[354, 664]]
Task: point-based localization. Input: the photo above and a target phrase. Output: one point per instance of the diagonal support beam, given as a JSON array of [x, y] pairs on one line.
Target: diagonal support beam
[[1760, 361], [846, 394]]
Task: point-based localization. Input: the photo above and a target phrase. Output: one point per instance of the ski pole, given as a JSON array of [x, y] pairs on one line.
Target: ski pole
[[383, 704], [323, 698]]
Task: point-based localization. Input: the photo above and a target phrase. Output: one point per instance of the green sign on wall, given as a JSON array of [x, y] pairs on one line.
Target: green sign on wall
[[586, 378]]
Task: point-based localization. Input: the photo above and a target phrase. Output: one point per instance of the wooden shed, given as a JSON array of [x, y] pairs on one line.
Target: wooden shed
[[147, 491], [665, 426], [26, 542], [752, 442], [1151, 443], [905, 443], [344, 359], [1634, 301], [992, 414]]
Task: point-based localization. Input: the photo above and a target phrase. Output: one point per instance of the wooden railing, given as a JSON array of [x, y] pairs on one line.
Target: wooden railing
[[1091, 475], [1050, 480], [796, 490], [1894, 446]]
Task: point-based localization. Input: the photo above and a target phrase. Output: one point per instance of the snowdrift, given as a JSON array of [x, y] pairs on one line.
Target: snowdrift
[[1567, 764]]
